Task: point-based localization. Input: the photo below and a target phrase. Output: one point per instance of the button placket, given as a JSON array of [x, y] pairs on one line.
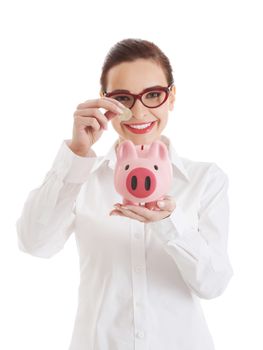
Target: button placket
[[138, 268], [140, 334], [139, 283]]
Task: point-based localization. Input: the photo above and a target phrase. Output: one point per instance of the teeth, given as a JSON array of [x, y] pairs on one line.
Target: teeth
[[142, 126]]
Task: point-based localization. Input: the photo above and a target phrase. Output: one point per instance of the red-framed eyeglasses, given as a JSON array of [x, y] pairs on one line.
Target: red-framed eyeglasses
[[152, 97]]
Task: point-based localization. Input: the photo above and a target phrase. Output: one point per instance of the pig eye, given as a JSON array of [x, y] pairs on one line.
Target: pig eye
[[127, 167], [156, 167]]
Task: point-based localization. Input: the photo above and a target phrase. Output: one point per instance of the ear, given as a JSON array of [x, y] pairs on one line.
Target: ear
[[126, 150], [172, 98], [158, 150]]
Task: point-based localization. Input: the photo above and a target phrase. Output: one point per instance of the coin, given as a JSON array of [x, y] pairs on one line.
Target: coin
[[125, 115]]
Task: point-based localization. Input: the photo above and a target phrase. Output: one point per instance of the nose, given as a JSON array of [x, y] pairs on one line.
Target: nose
[[141, 182], [139, 111]]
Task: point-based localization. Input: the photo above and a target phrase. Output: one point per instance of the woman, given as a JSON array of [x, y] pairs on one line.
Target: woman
[[142, 271]]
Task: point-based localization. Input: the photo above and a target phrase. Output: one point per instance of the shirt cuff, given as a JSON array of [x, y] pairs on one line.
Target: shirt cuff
[[175, 230], [70, 167]]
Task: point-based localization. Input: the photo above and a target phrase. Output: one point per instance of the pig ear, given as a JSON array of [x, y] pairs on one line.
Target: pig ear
[[126, 150], [158, 150]]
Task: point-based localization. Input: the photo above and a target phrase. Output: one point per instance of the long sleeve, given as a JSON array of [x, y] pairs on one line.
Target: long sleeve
[[47, 218], [201, 253]]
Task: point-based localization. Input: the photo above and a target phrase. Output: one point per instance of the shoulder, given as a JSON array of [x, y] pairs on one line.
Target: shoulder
[[204, 170]]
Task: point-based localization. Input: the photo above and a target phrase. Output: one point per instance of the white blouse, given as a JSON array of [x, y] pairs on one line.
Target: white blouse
[[140, 283]]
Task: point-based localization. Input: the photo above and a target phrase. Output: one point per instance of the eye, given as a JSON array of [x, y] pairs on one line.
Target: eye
[[156, 167], [121, 98], [127, 167], [153, 94]]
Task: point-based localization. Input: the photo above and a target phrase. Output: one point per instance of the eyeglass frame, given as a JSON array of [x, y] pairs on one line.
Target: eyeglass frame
[[139, 96]]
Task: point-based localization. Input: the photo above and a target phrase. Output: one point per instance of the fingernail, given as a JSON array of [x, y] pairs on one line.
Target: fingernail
[[160, 204]]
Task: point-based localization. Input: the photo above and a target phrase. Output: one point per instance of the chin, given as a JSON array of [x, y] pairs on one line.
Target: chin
[[144, 139]]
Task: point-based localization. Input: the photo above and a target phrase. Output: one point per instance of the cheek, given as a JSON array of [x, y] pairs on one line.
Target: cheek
[[116, 124], [161, 115]]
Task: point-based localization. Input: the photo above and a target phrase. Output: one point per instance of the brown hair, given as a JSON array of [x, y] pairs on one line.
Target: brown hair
[[129, 50]]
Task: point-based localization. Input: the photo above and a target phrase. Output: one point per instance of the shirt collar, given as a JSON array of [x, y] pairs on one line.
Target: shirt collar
[[174, 157]]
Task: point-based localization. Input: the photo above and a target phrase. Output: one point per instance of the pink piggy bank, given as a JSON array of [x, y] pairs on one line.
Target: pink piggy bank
[[143, 173]]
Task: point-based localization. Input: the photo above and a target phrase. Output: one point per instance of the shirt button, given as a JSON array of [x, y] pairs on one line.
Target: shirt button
[[138, 268], [140, 334]]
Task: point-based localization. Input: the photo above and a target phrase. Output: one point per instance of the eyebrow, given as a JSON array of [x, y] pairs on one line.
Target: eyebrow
[[122, 90]]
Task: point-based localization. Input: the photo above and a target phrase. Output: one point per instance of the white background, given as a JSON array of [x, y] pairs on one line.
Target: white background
[[51, 58]]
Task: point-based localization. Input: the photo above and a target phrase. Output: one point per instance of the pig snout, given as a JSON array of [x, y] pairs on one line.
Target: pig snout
[[141, 182]]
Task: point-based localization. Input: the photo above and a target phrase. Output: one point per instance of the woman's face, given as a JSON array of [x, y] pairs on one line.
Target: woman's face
[[135, 77]]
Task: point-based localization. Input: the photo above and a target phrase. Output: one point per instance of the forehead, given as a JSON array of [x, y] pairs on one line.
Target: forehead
[[135, 76]]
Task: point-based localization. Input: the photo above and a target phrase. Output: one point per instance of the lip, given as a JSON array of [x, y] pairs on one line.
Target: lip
[[141, 131]]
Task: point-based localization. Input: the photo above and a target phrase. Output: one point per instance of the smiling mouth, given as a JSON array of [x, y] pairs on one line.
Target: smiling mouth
[[140, 128]]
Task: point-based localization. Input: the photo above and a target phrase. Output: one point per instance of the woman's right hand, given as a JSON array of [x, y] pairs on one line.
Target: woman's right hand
[[90, 122]]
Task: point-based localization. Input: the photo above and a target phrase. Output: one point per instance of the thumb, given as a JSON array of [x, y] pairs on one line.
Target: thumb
[[167, 204]]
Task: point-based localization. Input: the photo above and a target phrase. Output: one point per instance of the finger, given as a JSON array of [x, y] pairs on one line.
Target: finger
[[142, 212], [139, 210], [149, 215], [116, 212], [94, 112], [118, 103], [101, 103], [157, 215], [167, 203], [88, 121]]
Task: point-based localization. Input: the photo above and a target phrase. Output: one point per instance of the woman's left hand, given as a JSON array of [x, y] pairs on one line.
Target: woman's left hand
[[143, 214]]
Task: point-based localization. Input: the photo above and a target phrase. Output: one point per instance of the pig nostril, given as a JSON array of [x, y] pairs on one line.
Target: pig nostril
[[147, 183], [141, 182], [127, 167], [134, 182]]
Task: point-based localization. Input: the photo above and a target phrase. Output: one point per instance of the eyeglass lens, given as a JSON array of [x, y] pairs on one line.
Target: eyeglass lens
[[150, 98]]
